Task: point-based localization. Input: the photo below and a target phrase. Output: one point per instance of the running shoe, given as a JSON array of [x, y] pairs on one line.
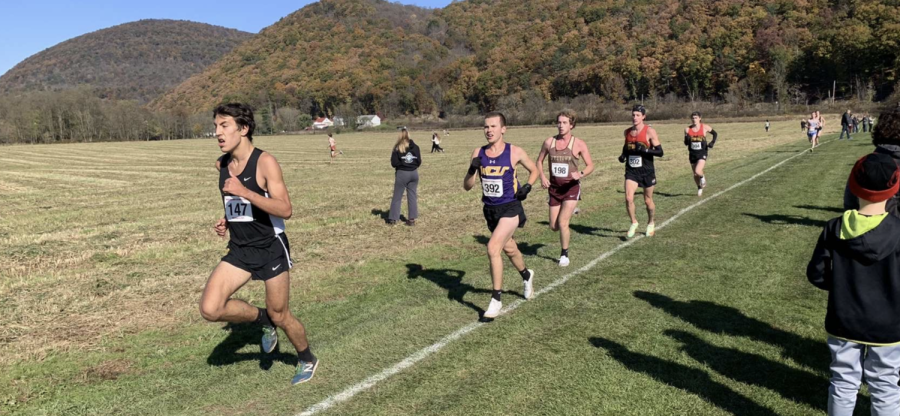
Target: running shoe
[[651, 230], [703, 181], [493, 309], [269, 338], [563, 261], [305, 371], [699, 191], [529, 286], [632, 230], [576, 211]]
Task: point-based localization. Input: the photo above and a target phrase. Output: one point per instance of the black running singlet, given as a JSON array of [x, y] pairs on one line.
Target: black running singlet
[[249, 225]]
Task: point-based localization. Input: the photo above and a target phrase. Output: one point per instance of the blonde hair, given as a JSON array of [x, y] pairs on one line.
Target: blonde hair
[[402, 142]]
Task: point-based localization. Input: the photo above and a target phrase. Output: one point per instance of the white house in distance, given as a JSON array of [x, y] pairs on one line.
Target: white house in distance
[[368, 121], [322, 123]]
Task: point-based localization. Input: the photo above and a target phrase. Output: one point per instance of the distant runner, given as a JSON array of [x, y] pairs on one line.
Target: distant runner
[[695, 140]]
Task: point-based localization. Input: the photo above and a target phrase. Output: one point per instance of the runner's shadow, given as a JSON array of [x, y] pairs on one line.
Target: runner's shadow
[[385, 214], [689, 379], [587, 230], [781, 219], [792, 384], [450, 280], [525, 248], [640, 191], [821, 208], [719, 319], [240, 335]]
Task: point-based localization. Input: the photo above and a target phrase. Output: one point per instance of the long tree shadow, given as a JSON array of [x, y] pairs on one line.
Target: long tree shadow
[[720, 319], [239, 336], [689, 379], [837, 210], [780, 219], [797, 385], [450, 280], [526, 248]]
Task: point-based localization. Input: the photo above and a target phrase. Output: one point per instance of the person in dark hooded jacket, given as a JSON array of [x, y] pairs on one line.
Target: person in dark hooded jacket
[[857, 260], [405, 159], [886, 138]]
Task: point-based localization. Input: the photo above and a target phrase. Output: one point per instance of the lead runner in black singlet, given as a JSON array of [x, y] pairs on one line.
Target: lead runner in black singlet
[[256, 203]]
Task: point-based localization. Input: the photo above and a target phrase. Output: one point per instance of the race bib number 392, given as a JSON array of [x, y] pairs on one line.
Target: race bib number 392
[[492, 187], [635, 161], [559, 170], [238, 209]]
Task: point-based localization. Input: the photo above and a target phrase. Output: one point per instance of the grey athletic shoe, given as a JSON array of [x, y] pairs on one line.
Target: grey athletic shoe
[[269, 338], [528, 291]]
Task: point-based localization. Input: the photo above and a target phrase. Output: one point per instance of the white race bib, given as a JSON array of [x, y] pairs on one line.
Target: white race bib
[[238, 209], [492, 187], [696, 145], [559, 170], [635, 161]]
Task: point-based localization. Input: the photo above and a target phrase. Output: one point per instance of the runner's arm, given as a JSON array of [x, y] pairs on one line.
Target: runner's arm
[[655, 146], [687, 137], [586, 156], [522, 158], [540, 162], [472, 174], [278, 203], [714, 135]]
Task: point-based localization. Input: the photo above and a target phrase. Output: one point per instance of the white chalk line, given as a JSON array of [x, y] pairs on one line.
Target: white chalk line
[[420, 355]]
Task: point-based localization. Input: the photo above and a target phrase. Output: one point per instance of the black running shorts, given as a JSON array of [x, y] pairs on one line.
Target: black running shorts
[[696, 157], [263, 263], [643, 181], [493, 213]]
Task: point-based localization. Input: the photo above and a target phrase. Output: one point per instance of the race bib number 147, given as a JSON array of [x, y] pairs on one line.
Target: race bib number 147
[[238, 209]]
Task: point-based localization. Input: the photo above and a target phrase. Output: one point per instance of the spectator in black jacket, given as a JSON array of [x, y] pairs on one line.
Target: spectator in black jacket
[[846, 125], [406, 159], [857, 260]]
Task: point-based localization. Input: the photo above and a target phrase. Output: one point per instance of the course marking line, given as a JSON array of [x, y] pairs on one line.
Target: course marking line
[[420, 355]]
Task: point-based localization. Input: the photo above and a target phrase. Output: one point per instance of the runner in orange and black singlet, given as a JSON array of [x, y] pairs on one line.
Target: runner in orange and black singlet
[[641, 146], [695, 140]]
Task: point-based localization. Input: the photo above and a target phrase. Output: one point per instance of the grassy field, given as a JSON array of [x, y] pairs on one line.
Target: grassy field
[[106, 248]]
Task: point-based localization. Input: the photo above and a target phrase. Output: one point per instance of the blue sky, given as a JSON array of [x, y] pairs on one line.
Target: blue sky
[[29, 27]]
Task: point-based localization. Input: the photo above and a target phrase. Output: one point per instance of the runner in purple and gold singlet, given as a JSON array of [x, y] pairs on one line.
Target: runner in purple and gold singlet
[[502, 195], [564, 186]]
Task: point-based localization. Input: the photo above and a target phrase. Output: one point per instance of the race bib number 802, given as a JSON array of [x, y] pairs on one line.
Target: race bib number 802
[[238, 209], [635, 161]]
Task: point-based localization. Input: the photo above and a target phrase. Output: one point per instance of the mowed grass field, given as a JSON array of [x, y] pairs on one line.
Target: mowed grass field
[[106, 248]]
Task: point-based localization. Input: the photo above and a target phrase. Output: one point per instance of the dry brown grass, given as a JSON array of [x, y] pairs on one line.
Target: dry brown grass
[[107, 239]]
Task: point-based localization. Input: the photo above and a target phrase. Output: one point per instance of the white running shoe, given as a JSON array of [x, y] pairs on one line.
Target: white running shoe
[[529, 286], [563, 261], [493, 309], [703, 181], [700, 192], [576, 211]]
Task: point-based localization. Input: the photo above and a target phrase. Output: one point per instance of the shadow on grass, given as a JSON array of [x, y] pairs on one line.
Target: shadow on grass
[[640, 191], [793, 384], [449, 280], [594, 231], [780, 219], [526, 248], [384, 214], [720, 319], [239, 336], [689, 379], [837, 210]]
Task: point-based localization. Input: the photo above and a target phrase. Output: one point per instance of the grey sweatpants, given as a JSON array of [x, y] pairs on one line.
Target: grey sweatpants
[[409, 181], [849, 363]]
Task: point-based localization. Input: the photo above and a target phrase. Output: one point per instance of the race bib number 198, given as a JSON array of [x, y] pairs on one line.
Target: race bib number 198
[[559, 170], [635, 161], [238, 209], [492, 187]]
